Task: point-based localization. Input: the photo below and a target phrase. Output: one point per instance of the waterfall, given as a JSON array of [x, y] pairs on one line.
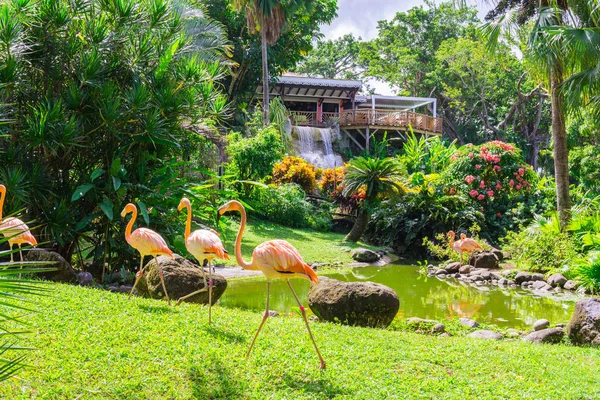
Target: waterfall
[[315, 146]]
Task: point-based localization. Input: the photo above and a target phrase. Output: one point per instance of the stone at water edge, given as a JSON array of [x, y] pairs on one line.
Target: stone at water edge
[[541, 324], [440, 272], [85, 279], [453, 267], [468, 322], [571, 285], [465, 269], [537, 277], [353, 303], [557, 280], [182, 277], [439, 328], [365, 255], [498, 253], [63, 273], [522, 277], [485, 334], [484, 259], [540, 285], [273, 313], [550, 335], [584, 327]]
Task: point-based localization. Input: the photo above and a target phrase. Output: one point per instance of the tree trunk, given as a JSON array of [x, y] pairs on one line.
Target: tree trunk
[[265, 67], [359, 227], [561, 152]]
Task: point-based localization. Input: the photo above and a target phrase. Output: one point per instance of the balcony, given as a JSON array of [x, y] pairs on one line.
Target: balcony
[[373, 118]]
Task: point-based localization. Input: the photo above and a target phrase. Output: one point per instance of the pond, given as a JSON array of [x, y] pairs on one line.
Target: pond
[[430, 298]]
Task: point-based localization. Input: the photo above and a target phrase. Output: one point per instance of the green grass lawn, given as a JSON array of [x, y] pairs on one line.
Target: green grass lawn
[[313, 246], [93, 344]]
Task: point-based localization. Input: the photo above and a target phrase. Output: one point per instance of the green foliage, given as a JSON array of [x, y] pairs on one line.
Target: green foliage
[[426, 155], [94, 96], [584, 168], [378, 176], [586, 270], [286, 205], [334, 59], [253, 158]]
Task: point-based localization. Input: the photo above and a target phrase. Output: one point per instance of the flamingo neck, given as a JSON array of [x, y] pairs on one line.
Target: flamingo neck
[[451, 241], [238, 243], [2, 195], [188, 224], [130, 225]]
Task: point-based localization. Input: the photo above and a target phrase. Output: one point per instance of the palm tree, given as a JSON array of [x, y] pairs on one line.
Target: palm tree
[[565, 50], [267, 17], [378, 176]]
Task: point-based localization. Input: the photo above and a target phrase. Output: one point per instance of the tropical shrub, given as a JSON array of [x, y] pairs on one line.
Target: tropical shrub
[[426, 155], [494, 177], [95, 95], [584, 168], [286, 205], [331, 180], [253, 158], [295, 170], [586, 270]]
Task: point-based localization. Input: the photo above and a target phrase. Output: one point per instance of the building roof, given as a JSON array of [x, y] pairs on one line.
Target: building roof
[[293, 87], [395, 102]]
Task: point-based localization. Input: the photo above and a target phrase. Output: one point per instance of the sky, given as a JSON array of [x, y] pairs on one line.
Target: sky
[[360, 18]]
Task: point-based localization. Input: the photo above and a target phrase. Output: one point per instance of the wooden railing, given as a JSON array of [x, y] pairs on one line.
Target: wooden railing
[[400, 119]]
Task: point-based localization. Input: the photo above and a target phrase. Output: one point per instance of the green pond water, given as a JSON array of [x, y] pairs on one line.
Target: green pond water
[[430, 298]]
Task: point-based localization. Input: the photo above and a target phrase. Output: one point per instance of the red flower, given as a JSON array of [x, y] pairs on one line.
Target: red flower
[[473, 193], [519, 186], [452, 190], [480, 197], [497, 168], [499, 214], [498, 186], [478, 166], [511, 183], [469, 179], [471, 155], [482, 184], [521, 171], [490, 193]]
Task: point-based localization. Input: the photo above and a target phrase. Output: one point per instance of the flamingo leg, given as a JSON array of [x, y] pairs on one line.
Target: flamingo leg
[[265, 316], [322, 365], [204, 289], [162, 280], [210, 285], [20, 257], [11, 254], [138, 275]]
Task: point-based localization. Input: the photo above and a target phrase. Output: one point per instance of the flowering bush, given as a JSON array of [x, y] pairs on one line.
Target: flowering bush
[[295, 170], [495, 177], [331, 180]]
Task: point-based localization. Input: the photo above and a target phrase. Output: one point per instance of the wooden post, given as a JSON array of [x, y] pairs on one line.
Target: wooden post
[[367, 140], [320, 110]]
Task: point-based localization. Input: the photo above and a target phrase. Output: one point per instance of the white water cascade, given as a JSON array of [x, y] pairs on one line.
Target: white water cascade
[[315, 146]]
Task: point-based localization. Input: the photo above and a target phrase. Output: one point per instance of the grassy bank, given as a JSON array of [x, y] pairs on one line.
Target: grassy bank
[[97, 345], [314, 246]]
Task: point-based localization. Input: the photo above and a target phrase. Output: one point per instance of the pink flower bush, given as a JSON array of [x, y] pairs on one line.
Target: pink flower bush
[[473, 193], [511, 183], [471, 155], [490, 193], [497, 168], [518, 186], [498, 185], [480, 197], [521, 171], [478, 166], [481, 184], [469, 179]]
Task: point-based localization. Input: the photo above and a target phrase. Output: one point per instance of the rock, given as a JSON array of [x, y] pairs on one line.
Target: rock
[[485, 334], [512, 333], [511, 283], [122, 289], [550, 335], [484, 259], [475, 272], [445, 334], [522, 277], [313, 318], [440, 272], [541, 324], [571, 285], [365, 255], [497, 276], [64, 272], [439, 328], [273, 313], [557, 280], [537, 277], [353, 303], [477, 278], [316, 266], [507, 272], [560, 325], [498, 253], [465, 269], [182, 277], [85, 279], [502, 282], [584, 327], [421, 322], [469, 322], [441, 275], [453, 267], [486, 275], [540, 285]]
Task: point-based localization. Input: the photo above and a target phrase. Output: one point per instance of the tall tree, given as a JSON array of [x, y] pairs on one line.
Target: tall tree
[[557, 45], [334, 59]]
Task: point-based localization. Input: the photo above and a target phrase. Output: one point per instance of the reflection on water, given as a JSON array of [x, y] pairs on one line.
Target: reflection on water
[[419, 297]]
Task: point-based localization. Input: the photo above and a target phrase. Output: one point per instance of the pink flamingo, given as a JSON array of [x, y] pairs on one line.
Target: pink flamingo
[[204, 245], [148, 243], [464, 245], [276, 259], [14, 230]]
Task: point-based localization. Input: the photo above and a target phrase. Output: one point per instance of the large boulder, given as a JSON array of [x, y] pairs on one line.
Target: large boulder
[[522, 277], [484, 259], [85, 279], [365, 255], [182, 277], [584, 328], [550, 335], [353, 303], [63, 273], [557, 280]]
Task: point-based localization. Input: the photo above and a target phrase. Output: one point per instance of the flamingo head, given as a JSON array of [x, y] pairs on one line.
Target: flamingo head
[[129, 208], [184, 203], [451, 235], [463, 236], [2, 190], [232, 205]]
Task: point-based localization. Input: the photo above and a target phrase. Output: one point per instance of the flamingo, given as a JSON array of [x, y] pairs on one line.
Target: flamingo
[[14, 230], [148, 243], [464, 245], [276, 259], [203, 244]]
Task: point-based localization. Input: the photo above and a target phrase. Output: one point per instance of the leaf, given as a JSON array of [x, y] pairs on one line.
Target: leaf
[[107, 207], [115, 167], [116, 182], [96, 174], [81, 191], [144, 212], [85, 221]]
